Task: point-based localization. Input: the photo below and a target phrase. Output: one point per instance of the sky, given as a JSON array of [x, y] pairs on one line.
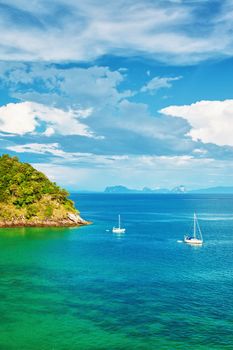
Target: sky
[[137, 92]]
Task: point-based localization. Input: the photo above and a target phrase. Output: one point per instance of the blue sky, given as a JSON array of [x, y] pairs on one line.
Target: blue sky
[[138, 93]]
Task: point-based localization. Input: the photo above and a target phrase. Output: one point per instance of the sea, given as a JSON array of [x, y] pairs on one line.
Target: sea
[[87, 288]]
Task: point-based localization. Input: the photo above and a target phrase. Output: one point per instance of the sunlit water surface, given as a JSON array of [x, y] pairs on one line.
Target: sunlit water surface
[[87, 288]]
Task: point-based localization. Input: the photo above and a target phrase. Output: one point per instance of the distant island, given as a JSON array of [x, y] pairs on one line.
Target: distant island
[[29, 198], [123, 189], [214, 190], [176, 190]]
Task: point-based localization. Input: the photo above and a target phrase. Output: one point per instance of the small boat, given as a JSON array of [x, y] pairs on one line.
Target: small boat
[[118, 229], [196, 238]]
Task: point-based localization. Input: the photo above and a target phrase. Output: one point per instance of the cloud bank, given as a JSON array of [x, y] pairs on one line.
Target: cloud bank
[[58, 98], [168, 31], [210, 121], [31, 117]]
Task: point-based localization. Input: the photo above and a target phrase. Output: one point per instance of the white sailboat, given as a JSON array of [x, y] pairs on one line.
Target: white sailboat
[[118, 229], [197, 238]]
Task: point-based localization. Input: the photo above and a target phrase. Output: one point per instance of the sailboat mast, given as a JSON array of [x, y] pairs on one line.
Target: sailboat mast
[[199, 230], [119, 221], [194, 225]]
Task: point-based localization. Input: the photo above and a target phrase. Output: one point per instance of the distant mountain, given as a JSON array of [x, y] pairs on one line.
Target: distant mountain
[[120, 189], [179, 190], [123, 189], [157, 190], [214, 190]]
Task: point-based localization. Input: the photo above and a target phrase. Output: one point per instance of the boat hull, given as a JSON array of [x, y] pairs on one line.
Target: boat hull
[[118, 230], [193, 241]]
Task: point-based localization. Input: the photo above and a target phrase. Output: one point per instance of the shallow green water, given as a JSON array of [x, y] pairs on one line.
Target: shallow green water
[[86, 288]]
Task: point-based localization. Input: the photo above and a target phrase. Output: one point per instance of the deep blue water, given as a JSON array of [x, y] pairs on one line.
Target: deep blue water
[[87, 288], [185, 291]]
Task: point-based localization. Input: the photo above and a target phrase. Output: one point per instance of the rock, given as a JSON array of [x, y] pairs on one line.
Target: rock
[[76, 218]]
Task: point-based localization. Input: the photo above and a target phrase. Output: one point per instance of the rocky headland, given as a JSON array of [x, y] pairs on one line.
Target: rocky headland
[[29, 199]]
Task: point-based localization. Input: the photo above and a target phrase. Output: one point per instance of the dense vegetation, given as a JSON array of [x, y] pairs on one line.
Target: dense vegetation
[[28, 194]]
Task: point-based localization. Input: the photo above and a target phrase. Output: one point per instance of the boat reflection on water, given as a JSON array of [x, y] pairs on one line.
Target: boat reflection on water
[[119, 235]]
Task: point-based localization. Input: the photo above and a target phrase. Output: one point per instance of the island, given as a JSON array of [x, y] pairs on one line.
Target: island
[[123, 189], [29, 198], [119, 189]]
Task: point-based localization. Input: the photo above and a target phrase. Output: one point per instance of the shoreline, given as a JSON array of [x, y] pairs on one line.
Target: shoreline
[[71, 221], [51, 224]]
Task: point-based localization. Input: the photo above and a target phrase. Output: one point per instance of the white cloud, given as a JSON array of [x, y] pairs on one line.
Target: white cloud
[[169, 162], [200, 151], [158, 83], [68, 176], [49, 85], [66, 30], [77, 170], [49, 131], [27, 117], [100, 94], [39, 148], [17, 118], [87, 167], [194, 174], [117, 161], [136, 117], [54, 150], [210, 121]]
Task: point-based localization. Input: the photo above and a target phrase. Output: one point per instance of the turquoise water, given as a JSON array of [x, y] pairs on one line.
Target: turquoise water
[[86, 288]]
